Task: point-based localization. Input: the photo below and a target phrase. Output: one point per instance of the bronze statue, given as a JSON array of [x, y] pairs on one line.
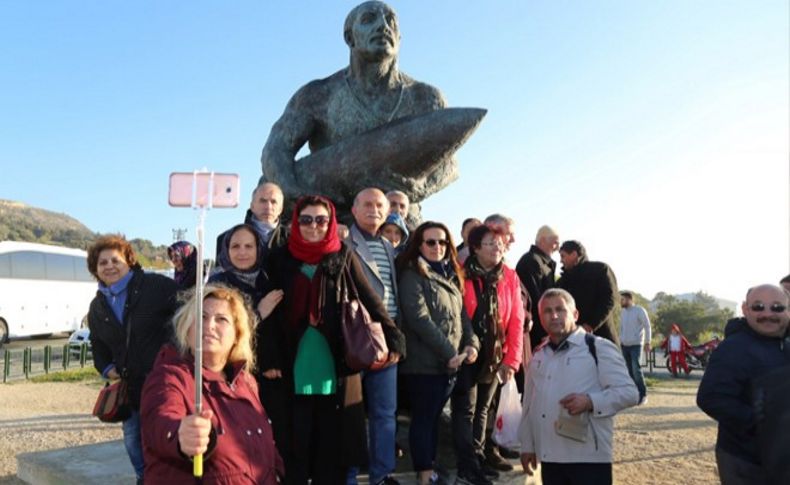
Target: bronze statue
[[368, 124]]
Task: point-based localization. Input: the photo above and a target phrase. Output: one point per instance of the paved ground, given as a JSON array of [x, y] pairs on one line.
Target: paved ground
[[667, 437]]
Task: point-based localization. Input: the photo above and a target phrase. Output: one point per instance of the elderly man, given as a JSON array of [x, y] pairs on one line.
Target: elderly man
[[370, 92], [594, 288], [574, 386], [370, 210], [635, 334], [264, 213], [754, 347], [536, 271]]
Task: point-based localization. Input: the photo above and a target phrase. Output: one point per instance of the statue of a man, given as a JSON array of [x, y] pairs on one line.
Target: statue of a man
[[367, 94]]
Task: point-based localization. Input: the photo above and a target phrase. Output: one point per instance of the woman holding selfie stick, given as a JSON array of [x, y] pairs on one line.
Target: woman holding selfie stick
[[129, 321], [492, 299], [439, 337], [327, 417], [232, 432]]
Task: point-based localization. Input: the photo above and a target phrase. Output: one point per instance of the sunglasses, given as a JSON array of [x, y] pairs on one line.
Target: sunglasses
[[775, 308], [433, 242], [309, 220]]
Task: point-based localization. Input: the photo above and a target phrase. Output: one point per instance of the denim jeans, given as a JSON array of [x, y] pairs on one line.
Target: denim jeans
[[428, 394], [632, 355], [133, 442], [380, 388]]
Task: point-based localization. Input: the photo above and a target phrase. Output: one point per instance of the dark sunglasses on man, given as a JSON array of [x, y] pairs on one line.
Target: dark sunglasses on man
[[774, 308]]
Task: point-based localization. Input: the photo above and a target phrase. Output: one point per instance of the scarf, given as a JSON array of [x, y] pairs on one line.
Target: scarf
[[485, 321], [116, 293], [313, 252], [185, 278]]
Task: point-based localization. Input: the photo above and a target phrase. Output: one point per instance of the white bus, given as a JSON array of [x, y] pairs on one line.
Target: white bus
[[43, 289]]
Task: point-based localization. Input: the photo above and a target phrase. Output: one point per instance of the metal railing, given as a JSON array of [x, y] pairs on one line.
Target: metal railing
[[28, 362]]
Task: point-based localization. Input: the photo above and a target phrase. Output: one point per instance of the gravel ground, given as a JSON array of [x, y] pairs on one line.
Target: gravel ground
[[667, 439]]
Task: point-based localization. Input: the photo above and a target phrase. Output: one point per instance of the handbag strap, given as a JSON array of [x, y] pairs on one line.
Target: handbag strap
[[128, 323]]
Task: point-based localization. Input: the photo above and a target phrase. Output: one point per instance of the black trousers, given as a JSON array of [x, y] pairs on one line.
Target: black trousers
[[470, 405], [316, 449], [576, 473]]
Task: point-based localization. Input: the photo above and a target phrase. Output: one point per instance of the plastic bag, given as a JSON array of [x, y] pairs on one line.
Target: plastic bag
[[508, 417]]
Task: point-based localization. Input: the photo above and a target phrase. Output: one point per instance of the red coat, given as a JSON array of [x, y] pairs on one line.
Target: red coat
[[511, 313], [244, 452]]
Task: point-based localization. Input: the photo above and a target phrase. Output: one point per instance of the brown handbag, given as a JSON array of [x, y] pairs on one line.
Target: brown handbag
[[112, 405], [366, 347]]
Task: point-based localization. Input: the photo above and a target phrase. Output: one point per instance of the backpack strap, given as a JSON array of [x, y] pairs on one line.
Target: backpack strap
[[589, 339]]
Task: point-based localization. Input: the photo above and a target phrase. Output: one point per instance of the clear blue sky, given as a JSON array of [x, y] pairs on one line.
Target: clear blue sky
[[654, 132]]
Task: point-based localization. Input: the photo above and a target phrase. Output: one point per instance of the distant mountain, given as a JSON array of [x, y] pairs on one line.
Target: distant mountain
[[21, 222]]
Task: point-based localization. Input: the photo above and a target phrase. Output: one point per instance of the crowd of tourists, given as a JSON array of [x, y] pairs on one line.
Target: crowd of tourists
[[282, 402]]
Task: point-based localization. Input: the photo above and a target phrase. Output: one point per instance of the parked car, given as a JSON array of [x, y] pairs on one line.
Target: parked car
[[77, 339]]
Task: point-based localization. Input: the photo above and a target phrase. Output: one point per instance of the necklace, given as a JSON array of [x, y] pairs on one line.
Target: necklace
[[367, 110]]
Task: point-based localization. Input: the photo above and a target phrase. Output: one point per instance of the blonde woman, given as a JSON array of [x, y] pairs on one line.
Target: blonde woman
[[232, 431]]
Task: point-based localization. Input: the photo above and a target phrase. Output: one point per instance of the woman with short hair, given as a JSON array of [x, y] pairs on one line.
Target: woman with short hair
[[129, 305], [232, 432], [492, 301]]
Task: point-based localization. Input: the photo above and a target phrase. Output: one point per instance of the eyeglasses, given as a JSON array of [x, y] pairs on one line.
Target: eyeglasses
[[775, 308], [433, 242], [306, 220], [492, 244]]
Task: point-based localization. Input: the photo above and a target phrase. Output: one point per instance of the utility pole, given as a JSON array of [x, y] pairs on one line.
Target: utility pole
[[178, 234]]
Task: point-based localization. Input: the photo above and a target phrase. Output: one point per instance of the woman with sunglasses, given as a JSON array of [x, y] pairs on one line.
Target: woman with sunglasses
[[492, 299], [439, 337], [305, 348]]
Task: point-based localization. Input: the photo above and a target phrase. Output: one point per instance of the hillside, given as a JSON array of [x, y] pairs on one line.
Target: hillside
[[21, 222]]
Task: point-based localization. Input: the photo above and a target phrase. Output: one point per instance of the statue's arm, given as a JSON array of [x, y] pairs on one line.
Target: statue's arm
[[288, 135]]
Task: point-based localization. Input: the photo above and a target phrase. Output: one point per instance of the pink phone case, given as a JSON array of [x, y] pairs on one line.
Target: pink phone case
[[183, 185]]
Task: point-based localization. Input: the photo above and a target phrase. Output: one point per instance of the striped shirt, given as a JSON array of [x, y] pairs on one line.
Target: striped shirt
[[379, 252]]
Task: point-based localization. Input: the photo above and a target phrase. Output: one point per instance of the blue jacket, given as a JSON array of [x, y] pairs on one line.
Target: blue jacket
[[726, 394]]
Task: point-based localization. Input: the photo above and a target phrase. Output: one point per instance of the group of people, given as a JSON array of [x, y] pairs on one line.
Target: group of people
[[281, 401]]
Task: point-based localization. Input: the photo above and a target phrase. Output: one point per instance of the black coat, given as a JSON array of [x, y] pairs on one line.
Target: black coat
[[594, 287], [150, 304], [727, 390], [254, 293], [536, 271], [277, 344]]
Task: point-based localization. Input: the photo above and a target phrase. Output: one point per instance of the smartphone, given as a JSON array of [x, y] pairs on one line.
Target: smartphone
[[203, 189]]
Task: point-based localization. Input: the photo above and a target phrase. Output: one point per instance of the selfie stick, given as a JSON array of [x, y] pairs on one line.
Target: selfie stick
[[197, 460]]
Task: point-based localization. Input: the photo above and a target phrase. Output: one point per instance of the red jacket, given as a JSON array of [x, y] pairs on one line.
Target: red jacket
[[244, 452], [511, 313]]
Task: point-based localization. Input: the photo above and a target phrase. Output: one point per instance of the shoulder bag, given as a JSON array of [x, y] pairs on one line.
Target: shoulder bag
[[366, 347], [112, 405]]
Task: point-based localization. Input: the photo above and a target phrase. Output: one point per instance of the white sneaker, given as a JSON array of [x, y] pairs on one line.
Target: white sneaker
[[642, 401]]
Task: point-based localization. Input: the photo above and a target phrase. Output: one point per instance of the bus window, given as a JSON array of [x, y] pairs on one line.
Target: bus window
[[60, 267], [5, 266], [81, 268], [27, 265]]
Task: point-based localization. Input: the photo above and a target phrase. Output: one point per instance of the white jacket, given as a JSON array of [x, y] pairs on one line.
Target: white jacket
[[572, 369]]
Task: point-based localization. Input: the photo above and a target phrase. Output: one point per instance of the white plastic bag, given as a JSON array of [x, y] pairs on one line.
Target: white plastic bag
[[508, 417]]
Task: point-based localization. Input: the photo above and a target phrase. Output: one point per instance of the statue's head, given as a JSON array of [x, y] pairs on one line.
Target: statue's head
[[371, 31]]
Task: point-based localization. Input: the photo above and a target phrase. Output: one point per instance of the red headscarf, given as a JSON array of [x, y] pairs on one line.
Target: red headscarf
[[313, 252]]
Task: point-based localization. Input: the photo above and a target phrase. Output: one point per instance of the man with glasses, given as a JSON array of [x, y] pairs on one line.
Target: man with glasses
[[755, 347], [370, 210]]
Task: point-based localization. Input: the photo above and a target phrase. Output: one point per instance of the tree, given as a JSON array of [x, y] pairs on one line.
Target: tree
[[695, 316]]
